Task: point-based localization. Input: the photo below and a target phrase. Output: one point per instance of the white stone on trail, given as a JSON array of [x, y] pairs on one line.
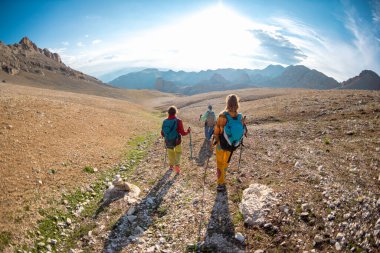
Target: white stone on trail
[[119, 189], [239, 237], [256, 201], [131, 218], [131, 210]]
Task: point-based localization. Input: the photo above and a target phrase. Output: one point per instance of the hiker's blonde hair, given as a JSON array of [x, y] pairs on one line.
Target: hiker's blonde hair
[[232, 103]]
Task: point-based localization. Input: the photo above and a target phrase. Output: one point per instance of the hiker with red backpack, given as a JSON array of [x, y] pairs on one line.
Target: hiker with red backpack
[[172, 130], [228, 136], [210, 119]]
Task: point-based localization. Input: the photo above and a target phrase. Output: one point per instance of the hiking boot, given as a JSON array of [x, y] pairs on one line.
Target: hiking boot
[[177, 169], [221, 187]]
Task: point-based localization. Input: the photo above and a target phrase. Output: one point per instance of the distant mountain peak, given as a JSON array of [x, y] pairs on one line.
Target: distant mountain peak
[[28, 44], [368, 73], [366, 80]]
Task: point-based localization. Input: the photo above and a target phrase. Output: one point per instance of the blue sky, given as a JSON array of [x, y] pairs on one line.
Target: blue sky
[[338, 38]]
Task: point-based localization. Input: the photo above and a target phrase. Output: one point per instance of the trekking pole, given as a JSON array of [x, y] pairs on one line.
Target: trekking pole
[[191, 148], [166, 152], [242, 145], [241, 151]]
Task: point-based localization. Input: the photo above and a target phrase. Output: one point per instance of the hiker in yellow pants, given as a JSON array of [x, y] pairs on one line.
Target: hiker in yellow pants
[[174, 155], [223, 153], [172, 130]]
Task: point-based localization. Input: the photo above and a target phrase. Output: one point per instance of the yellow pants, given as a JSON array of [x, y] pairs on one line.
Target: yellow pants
[[221, 163], [174, 155]]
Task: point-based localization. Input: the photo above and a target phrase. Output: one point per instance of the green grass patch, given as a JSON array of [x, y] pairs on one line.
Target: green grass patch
[[77, 234], [89, 169], [238, 218], [162, 211], [326, 141], [298, 209], [5, 239], [135, 150]]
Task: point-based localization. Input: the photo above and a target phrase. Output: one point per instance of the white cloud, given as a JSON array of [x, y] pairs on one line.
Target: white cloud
[[65, 43], [57, 50], [219, 37], [376, 12], [94, 42]]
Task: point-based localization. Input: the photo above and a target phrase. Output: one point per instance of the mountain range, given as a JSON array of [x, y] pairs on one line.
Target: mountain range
[[25, 63], [275, 76]]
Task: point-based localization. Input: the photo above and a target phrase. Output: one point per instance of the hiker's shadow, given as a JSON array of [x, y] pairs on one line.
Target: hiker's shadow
[[204, 153], [138, 217], [116, 195], [220, 234]]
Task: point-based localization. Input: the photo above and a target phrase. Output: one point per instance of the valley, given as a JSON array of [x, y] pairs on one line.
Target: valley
[[317, 150]]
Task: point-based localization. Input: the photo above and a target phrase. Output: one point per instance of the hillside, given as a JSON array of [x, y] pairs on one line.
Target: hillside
[[317, 151], [26, 64], [48, 138], [366, 80]]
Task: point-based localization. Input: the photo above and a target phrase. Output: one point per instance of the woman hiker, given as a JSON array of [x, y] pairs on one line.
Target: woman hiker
[[210, 119], [228, 134], [172, 130]]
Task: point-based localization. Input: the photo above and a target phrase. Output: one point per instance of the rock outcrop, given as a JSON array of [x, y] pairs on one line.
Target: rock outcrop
[[27, 44], [256, 203]]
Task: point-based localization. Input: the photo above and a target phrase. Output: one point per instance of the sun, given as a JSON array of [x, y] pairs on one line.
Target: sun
[[215, 37]]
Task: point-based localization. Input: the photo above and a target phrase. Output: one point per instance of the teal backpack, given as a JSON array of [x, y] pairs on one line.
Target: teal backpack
[[169, 128], [233, 133]]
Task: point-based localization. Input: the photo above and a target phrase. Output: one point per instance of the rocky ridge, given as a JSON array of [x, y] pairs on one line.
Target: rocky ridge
[[27, 57], [366, 80]]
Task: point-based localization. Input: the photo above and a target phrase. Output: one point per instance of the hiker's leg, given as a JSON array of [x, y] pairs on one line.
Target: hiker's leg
[[171, 156], [178, 153], [221, 164], [206, 131], [210, 129]]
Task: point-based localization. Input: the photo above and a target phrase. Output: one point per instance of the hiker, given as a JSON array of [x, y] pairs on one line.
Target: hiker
[[210, 120], [172, 130], [228, 135]]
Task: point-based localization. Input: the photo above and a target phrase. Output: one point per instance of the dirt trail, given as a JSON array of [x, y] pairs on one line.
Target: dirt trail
[[318, 151], [169, 214]]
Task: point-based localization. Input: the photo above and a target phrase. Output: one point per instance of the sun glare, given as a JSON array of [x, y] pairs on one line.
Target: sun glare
[[213, 38]]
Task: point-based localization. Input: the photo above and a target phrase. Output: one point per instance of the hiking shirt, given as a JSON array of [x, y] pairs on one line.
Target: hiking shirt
[[221, 122], [179, 129]]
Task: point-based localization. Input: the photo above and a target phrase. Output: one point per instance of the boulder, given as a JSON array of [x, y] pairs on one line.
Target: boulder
[[119, 189], [256, 201]]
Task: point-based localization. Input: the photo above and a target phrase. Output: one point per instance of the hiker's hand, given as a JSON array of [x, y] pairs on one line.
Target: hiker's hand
[[189, 130]]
